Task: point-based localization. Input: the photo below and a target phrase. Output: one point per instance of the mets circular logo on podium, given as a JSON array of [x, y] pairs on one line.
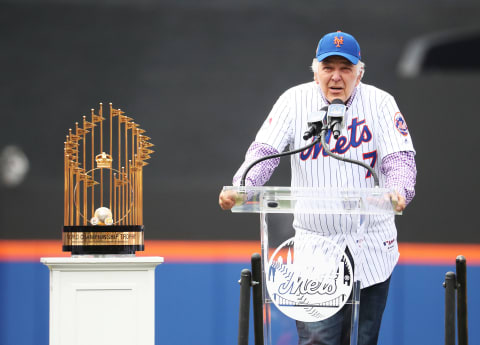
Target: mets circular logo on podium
[[309, 278]]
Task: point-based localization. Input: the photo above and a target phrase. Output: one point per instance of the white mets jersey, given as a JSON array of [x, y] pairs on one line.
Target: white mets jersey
[[374, 128]]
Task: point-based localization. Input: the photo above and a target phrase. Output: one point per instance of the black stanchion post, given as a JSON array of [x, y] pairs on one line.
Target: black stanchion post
[[244, 313], [449, 285], [462, 315], [257, 298]]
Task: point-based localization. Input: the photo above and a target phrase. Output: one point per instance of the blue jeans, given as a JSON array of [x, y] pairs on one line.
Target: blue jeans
[[336, 329]]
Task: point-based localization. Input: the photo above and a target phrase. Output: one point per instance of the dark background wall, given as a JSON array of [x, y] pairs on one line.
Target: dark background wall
[[201, 77]]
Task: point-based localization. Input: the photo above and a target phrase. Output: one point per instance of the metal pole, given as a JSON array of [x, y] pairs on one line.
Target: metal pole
[[257, 298], [449, 286], [462, 315], [355, 312], [243, 319]]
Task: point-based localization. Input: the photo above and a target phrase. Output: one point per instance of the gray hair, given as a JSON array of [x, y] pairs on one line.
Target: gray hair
[[360, 67]]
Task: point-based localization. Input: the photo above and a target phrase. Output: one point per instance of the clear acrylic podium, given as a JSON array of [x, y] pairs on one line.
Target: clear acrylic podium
[[306, 276]]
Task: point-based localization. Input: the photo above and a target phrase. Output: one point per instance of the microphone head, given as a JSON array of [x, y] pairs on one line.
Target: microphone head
[[336, 112], [315, 122], [316, 116]]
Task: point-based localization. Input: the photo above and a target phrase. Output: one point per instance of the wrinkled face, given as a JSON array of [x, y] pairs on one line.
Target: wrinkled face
[[337, 78]]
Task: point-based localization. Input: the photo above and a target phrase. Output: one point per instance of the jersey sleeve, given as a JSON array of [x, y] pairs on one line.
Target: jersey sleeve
[[400, 172], [276, 130], [391, 129], [260, 173]]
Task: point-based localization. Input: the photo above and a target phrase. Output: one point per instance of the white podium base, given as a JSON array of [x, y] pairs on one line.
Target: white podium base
[[102, 300]]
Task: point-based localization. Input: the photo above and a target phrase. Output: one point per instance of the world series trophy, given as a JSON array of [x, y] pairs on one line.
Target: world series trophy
[[103, 189]]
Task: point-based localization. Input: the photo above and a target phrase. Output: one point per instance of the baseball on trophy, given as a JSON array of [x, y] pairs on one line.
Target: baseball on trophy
[[103, 216]]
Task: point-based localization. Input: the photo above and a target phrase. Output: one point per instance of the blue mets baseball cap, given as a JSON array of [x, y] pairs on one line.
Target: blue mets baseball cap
[[339, 43]]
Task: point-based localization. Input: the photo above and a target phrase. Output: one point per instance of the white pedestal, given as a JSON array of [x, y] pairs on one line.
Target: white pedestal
[[102, 300]]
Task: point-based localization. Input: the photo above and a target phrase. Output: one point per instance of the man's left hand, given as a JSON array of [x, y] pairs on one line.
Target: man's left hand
[[399, 202]]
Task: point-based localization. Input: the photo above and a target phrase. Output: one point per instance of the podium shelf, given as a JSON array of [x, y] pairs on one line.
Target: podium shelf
[[313, 200]]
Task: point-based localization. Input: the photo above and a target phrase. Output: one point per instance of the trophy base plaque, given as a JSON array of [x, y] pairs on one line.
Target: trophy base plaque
[[100, 240]]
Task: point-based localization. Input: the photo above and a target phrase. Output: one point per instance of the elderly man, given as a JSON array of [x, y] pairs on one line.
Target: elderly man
[[375, 133]]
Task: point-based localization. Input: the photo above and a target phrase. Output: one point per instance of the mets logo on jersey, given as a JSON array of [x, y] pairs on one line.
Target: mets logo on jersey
[[401, 124], [359, 134]]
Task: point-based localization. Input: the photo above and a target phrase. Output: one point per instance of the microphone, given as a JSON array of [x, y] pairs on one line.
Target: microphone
[[335, 117], [315, 122]]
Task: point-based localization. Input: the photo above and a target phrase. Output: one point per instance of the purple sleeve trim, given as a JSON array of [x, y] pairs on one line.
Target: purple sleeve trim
[[400, 173], [261, 172]]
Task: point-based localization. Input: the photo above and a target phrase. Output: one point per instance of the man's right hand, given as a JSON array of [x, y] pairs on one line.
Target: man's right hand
[[226, 199]]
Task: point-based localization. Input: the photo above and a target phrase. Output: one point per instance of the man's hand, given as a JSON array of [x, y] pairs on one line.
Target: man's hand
[[226, 199], [398, 202]]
